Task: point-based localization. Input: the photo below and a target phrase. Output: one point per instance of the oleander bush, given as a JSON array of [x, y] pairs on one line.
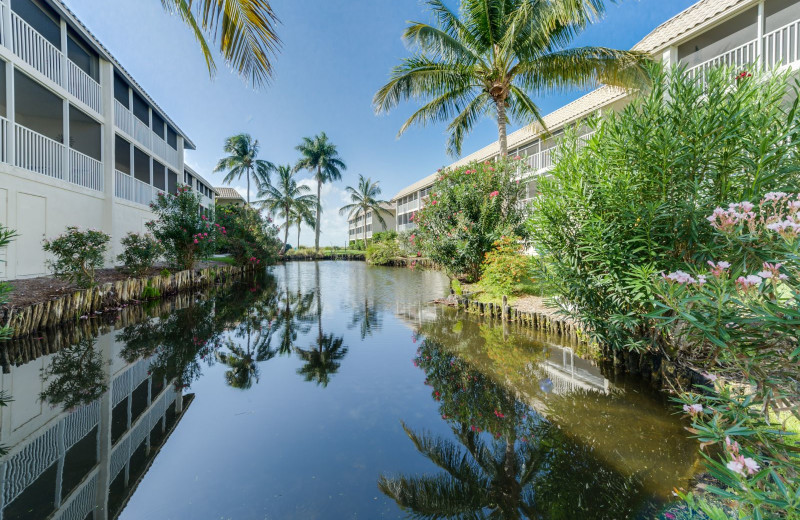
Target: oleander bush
[[633, 201], [467, 210], [185, 234], [738, 316], [248, 238], [77, 254], [141, 252], [383, 249]]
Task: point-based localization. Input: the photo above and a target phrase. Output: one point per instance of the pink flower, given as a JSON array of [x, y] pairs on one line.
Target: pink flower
[[195, 241], [693, 409], [433, 202], [680, 277], [718, 268], [751, 465], [494, 194], [749, 281]]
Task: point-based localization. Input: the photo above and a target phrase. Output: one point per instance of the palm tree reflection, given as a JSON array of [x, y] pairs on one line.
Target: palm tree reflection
[[323, 360], [503, 460]]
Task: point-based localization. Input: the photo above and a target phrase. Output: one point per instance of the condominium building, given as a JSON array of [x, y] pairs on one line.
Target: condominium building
[[736, 33], [356, 223], [199, 184], [229, 197], [81, 142]]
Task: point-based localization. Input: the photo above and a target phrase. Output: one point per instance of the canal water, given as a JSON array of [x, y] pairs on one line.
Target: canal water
[[327, 390]]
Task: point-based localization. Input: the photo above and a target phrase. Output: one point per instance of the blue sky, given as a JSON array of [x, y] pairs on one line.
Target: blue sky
[[335, 55]]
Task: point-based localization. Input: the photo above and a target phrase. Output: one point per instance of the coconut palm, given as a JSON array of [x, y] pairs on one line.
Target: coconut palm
[[319, 156], [364, 199], [243, 161], [493, 56], [243, 30], [286, 197], [303, 214]]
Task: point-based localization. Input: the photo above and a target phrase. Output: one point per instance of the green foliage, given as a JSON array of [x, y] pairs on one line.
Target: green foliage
[[383, 252], [456, 286], [165, 273], [363, 201], [382, 236], [468, 209], [249, 238], [77, 254], [6, 235], [242, 160], [141, 252], [504, 267], [185, 234], [738, 315], [150, 293], [633, 201]]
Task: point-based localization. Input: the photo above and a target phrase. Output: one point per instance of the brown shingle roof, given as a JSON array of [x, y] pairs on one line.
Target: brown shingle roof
[[228, 193]]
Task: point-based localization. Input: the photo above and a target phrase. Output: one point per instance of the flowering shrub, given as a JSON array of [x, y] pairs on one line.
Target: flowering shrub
[[504, 267], [467, 210], [247, 237], [141, 252], [633, 201], [739, 318], [382, 252], [77, 254], [185, 234]]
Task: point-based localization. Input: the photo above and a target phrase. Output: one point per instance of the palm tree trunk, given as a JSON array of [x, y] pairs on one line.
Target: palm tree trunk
[[319, 208], [502, 122], [248, 188], [298, 233], [365, 230]]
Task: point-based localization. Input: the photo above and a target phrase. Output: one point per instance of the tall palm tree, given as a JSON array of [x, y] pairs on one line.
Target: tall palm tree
[[303, 215], [286, 197], [493, 56], [243, 160], [242, 30], [319, 156], [364, 199]]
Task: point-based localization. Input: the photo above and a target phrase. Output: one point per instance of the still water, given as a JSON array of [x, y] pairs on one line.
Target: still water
[[327, 390]]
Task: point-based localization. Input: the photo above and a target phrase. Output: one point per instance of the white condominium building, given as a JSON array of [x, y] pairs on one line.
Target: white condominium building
[[355, 224], [710, 33], [81, 143]]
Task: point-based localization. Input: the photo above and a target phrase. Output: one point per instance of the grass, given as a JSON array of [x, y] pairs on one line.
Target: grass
[[222, 259]]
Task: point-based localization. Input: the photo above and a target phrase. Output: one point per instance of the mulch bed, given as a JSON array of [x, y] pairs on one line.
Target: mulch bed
[[45, 288]]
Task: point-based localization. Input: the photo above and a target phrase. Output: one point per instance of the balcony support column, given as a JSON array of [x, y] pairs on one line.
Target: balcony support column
[[107, 153], [63, 79], [760, 34], [10, 143]]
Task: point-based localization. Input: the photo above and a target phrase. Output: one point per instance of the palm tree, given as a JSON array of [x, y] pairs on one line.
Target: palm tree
[[287, 197], [491, 57], [243, 160], [364, 199], [303, 215], [319, 156], [243, 30]]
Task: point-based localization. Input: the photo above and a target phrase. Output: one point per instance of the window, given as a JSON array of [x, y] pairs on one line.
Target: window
[[172, 181], [172, 138], [41, 17], [140, 109], [84, 133], [122, 155], [37, 108], [159, 175], [82, 55], [141, 165], [158, 125], [189, 179], [121, 92]]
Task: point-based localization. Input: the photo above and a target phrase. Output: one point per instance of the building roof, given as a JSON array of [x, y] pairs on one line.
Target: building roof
[[79, 26], [688, 22], [198, 176], [224, 192]]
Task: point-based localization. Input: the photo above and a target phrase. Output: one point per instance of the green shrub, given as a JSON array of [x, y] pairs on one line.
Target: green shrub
[[468, 209], [504, 267], [382, 236], [633, 201], [382, 252], [6, 235], [141, 252], [248, 238], [165, 273], [77, 254], [182, 230], [150, 293]]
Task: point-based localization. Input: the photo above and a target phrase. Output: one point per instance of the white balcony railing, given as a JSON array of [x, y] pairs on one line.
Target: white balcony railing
[[128, 188], [142, 133], [35, 50], [159, 146], [85, 171], [739, 57], [38, 153], [123, 118], [83, 87], [781, 45]]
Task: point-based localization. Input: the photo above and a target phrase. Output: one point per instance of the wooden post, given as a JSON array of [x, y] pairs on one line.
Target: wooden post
[[505, 306]]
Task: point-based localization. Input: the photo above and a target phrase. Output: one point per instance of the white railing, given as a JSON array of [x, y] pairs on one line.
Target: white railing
[[543, 160], [3, 8], [142, 133], [35, 50], [38, 153], [123, 118], [160, 146], [173, 157], [85, 171], [781, 45], [739, 57], [83, 87], [128, 188]]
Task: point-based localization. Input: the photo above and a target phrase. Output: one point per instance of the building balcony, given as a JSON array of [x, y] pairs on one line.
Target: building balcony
[[127, 187], [142, 134]]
